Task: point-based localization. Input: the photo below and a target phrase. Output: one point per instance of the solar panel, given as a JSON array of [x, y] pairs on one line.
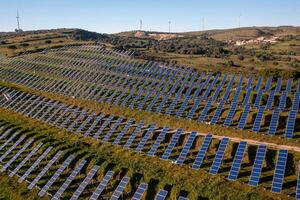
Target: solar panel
[[161, 195], [183, 106], [296, 101], [44, 171], [258, 164], [16, 156], [201, 154], [35, 164], [282, 102], [119, 190], [186, 148], [5, 133], [75, 121], [95, 122], [247, 97], [112, 130], [61, 115], [140, 191], [102, 185], [231, 113], [258, 98], [145, 138], [85, 122], [56, 175], [205, 111], [258, 83], [104, 125], [256, 125], [218, 112], [123, 131], [237, 161], [12, 147], [279, 171], [249, 83], [133, 135], [9, 140], [195, 106], [268, 85], [183, 198], [244, 116], [158, 140], [207, 92], [219, 156], [70, 178], [85, 182], [274, 122], [298, 184], [290, 126], [22, 163], [270, 100], [172, 144], [54, 113], [289, 86], [68, 118], [278, 85]]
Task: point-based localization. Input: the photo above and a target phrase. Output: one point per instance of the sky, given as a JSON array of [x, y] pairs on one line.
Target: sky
[[112, 16]]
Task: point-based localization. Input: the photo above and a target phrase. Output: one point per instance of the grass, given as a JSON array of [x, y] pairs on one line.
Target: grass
[[159, 174]]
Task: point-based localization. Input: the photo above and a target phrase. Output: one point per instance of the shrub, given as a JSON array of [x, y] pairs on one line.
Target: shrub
[[12, 47], [48, 41]]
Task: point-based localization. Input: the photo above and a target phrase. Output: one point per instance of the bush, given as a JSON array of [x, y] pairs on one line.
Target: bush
[[24, 44], [3, 42], [241, 57], [12, 47], [48, 41]]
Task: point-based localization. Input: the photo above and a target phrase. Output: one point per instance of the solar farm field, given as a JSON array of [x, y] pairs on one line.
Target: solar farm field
[[88, 122]]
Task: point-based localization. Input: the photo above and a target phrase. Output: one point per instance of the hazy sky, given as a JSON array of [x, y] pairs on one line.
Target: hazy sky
[[110, 16]]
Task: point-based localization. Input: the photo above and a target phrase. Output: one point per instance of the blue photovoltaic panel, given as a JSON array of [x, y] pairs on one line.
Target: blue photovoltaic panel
[[44, 171], [157, 142], [231, 113], [12, 147], [219, 156], [140, 191], [55, 176], [258, 98], [268, 85], [123, 131], [182, 107], [282, 102], [112, 130], [244, 116], [145, 138], [183, 198], [35, 164], [104, 125], [258, 164], [66, 184], [172, 144], [195, 106], [134, 134], [259, 116], [218, 112], [205, 111], [4, 134], [279, 171], [289, 86], [85, 182], [8, 140], [298, 184], [186, 148], [95, 122], [258, 83], [270, 100], [161, 195], [85, 122], [119, 190], [21, 164], [278, 85], [274, 122], [249, 83], [16, 156], [102, 185], [237, 161], [296, 101], [290, 126], [201, 154], [247, 97]]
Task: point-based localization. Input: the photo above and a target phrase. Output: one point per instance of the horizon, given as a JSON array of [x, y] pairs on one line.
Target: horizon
[[123, 16]]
